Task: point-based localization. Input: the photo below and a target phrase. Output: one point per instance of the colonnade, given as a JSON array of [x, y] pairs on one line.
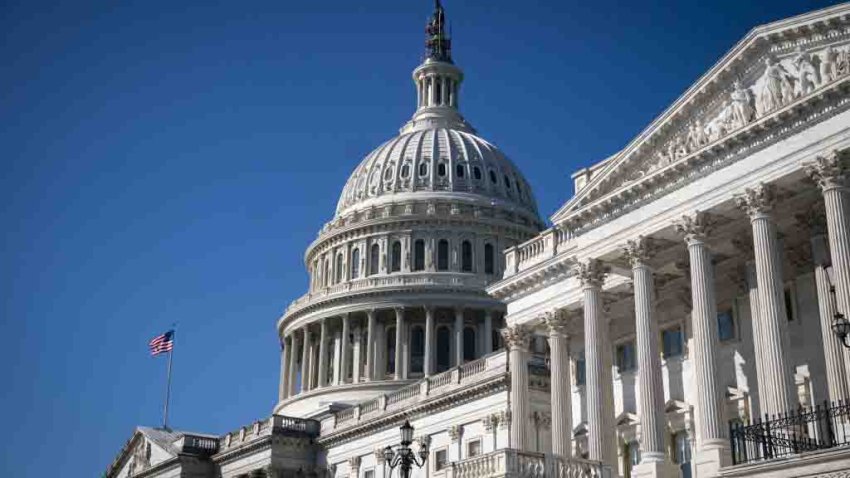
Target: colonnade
[[364, 346], [830, 247]]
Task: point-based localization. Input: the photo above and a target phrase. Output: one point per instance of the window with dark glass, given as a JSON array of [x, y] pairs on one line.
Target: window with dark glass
[[355, 263], [468, 344], [374, 259], [443, 347], [405, 170], [493, 176], [459, 170], [442, 255], [672, 341], [441, 169], [339, 270], [476, 172], [507, 182], [466, 256], [581, 369], [391, 350], [417, 349], [626, 357], [395, 260], [789, 304], [726, 325], [440, 459], [423, 169], [489, 259], [419, 255]]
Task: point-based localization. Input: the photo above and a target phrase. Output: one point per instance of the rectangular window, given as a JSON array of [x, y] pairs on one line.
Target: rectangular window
[[440, 459], [626, 357], [673, 342], [726, 325], [473, 448], [369, 474], [581, 369]]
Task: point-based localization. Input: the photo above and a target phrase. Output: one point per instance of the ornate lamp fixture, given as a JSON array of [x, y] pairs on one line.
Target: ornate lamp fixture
[[404, 457], [840, 324]]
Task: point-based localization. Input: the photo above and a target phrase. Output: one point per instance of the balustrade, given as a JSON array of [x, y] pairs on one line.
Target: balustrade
[[509, 462]]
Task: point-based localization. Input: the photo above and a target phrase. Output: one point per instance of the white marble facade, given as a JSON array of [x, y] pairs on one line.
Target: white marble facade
[[688, 283]]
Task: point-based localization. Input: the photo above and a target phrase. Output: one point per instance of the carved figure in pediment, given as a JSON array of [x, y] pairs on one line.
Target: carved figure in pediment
[[141, 458], [842, 63], [742, 105], [777, 88], [696, 136], [828, 61], [681, 147], [808, 76]]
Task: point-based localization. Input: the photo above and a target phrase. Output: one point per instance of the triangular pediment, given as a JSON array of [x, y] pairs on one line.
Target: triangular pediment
[[774, 69], [146, 448]]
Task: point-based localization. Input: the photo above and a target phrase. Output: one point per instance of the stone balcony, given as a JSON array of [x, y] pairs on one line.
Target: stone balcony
[[507, 462], [546, 245]]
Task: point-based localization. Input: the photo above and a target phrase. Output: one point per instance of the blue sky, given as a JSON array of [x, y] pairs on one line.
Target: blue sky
[[170, 161]]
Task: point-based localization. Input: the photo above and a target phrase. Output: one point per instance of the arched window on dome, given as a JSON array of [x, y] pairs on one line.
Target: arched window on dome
[[390, 350], [326, 275], [438, 92], [493, 177], [355, 263], [468, 344], [423, 169], [395, 260], [374, 259], [507, 182], [489, 259], [444, 345], [441, 169], [459, 170], [476, 173], [417, 349], [339, 270], [405, 171], [388, 173], [442, 255], [419, 255], [466, 256]]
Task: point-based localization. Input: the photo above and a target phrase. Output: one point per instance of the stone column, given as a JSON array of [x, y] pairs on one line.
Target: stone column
[[779, 392], [488, 331], [323, 353], [357, 355], [836, 373], [293, 362], [651, 393], [458, 337], [343, 352], [337, 378], [399, 333], [305, 359], [517, 340], [560, 383], [748, 271], [599, 388], [428, 366], [831, 174], [354, 467], [284, 369], [713, 445], [371, 368]]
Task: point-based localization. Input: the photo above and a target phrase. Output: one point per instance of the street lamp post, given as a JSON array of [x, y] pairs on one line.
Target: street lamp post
[[404, 457], [840, 324]]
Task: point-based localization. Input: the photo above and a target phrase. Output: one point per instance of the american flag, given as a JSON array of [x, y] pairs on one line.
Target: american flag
[[162, 343]]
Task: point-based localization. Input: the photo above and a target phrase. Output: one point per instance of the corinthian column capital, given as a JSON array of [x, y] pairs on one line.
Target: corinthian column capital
[[591, 273], [695, 227], [516, 337], [757, 201], [556, 321], [639, 251], [830, 171]]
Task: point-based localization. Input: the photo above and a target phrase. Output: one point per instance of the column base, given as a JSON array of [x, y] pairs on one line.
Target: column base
[[656, 469], [711, 457]]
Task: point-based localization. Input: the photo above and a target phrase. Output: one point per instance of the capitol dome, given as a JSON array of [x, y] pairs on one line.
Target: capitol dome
[[398, 275]]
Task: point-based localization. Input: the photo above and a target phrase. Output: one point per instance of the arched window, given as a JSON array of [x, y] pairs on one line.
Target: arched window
[[476, 173], [355, 263], [419, 255], [443, 349], [374, 259], [492, 176], [441, 169], [417, 349], [391, 350], [438, 93], [405, 170], [395, 260], [339, 270], [326, 276], [489, 259], [423, 169], [442, 255], [507, 182], [388, 173], [466, 256], [468, 344], [459, 170]]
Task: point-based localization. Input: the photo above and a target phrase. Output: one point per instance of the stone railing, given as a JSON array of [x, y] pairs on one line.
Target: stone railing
[[429, 387], [536, 250], [448, 279], [512, 463], [261, 428]]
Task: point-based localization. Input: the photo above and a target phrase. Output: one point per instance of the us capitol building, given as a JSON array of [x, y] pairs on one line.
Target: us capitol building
[[683, 314]]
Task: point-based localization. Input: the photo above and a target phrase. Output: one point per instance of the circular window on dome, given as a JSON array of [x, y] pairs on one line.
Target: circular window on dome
[[423, 169]]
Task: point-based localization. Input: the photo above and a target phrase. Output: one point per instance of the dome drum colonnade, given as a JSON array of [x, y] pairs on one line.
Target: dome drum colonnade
[[417, 236]]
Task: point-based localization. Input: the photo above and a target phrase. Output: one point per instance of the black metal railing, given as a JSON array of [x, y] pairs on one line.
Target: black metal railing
[[821, 427]]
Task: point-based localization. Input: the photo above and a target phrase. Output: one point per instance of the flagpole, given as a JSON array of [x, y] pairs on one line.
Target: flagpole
[[167, 387]]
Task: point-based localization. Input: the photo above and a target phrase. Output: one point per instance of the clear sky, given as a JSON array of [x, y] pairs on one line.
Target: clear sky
[[170, 161]]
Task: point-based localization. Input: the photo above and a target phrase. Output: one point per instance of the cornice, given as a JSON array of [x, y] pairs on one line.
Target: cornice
[[534, 278]]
